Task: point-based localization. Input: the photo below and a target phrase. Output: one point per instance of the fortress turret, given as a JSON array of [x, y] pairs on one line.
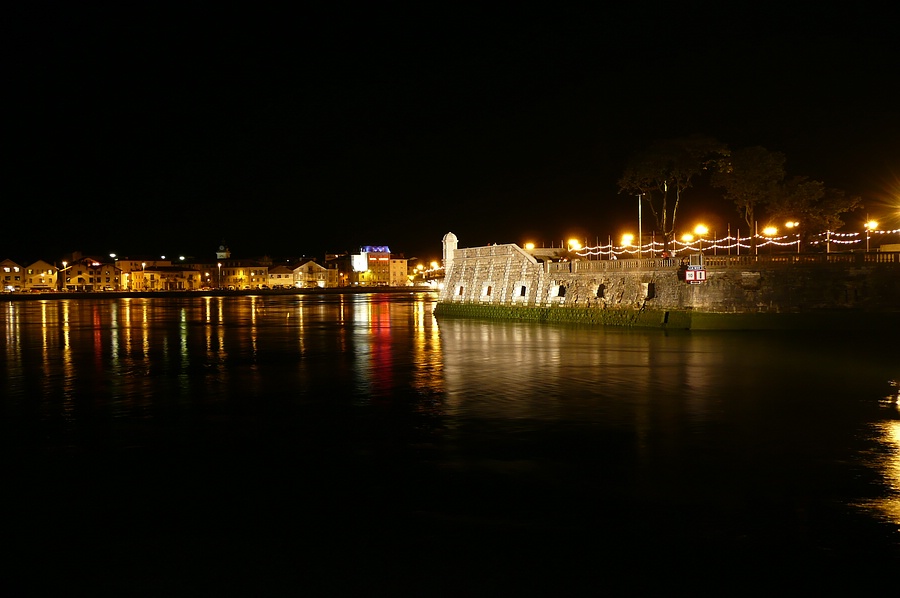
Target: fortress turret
[[450, 244]]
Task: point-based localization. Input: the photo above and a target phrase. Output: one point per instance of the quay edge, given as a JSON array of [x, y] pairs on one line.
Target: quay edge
[[850, 320]]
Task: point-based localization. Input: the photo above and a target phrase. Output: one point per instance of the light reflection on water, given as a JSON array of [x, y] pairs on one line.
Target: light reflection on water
[[749, 421], [890, 466], [749, 433], [884, 458]]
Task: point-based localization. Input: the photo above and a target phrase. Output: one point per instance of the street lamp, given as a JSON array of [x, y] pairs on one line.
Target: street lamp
[[61, 281], [115, 267], [870, 226], [687, 239], [701, 230], [794, 224], [220, 274], [626, 241], [769, 232]]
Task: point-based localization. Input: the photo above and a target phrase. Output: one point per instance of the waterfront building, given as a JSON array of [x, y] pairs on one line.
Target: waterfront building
[[310, 274], [40, 276], [242, 274], [88, 274], [10, 275], [374, 265], [127, 267], [166, 278], [280, 277], [232, 273], [399, 271]]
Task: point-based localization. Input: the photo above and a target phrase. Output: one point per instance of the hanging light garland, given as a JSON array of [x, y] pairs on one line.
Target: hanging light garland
[[654, 248]]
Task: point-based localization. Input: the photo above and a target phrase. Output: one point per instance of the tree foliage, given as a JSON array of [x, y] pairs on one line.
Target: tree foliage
[[662, 172], [755, 182], [752, 180], [816, 207]]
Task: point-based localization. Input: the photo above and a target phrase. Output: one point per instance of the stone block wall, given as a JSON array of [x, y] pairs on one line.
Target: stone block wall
[[503, 277]]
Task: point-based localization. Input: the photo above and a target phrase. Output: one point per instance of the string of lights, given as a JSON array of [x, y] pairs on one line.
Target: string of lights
[[726, 244]]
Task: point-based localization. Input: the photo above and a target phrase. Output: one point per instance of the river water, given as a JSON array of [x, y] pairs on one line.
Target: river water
[[347, 444]]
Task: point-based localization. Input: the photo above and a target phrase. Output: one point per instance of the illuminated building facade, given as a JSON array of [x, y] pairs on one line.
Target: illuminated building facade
[[40, 276], [374, 266], [310, 274]]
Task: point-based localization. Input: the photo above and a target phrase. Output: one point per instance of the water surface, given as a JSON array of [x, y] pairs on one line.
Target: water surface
[[342, 443]]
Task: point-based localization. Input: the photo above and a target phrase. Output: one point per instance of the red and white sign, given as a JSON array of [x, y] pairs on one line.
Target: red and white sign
[[695, 276]]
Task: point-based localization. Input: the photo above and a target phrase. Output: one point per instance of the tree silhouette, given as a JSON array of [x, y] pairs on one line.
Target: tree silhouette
[[752, 180], [661, 173]]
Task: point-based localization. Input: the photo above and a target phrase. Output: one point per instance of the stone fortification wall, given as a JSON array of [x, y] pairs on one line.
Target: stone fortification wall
[[497, 280]]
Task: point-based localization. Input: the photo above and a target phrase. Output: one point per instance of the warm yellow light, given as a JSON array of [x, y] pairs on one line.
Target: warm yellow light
[[434, 265], [700, 230], [791, 224], [871, 225], [529, 246], [420, 267], [687, 237], [627, 239], [770, 231], [574, 245]]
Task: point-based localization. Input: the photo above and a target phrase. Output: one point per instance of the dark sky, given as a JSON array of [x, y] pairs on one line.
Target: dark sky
[[156, 130]]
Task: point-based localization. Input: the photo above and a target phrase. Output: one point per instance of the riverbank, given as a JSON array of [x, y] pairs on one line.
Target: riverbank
[[43, 296]]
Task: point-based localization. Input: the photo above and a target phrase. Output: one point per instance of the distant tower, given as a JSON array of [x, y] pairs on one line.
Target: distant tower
[[223, 253], [450, 245]]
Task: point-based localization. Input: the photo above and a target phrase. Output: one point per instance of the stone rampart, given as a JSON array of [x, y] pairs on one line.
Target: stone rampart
[[507, 282]]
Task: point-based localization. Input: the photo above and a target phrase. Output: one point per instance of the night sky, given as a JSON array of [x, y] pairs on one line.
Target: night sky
[[321, 129]]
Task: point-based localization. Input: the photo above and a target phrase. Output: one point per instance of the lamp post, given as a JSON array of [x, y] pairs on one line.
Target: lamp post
[[701, 230], [220, 274], [687, 239], [769, 232], [115, 268], [626, 241], [793, 224], [870, 226], [62, 280], [640, 231]]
